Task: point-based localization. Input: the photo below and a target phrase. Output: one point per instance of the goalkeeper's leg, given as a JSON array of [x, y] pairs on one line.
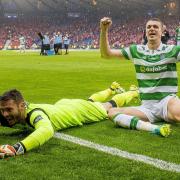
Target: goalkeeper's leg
[[102, 96], [120, 100]]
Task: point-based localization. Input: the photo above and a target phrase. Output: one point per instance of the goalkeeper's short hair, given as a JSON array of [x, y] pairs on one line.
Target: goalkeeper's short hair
[[12, 94]]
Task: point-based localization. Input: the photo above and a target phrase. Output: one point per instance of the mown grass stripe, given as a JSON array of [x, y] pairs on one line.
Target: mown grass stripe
[[164, 165]]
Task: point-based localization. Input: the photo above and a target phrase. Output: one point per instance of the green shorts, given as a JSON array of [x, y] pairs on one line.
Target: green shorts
[[74, 112]]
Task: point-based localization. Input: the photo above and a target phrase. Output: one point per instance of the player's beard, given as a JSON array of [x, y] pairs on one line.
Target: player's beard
[[16, 118], [12, 119], [11, 122], [21, 116]]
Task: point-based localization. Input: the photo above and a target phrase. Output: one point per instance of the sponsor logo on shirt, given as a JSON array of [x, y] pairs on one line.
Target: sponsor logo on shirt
[[153, 68]]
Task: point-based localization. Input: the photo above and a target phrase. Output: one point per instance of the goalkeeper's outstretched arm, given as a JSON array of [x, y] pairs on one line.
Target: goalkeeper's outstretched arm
[[43, 132]]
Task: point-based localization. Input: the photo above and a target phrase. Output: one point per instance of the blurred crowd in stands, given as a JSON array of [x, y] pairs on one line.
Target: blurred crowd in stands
[[82, 34]]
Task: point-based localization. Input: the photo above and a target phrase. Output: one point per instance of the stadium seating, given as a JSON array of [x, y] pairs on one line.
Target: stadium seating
[[83, 34]]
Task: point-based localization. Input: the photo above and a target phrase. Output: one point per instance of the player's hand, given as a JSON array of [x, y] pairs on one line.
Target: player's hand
[[105, 23], [2, 155], [10, 151], [7, 151]]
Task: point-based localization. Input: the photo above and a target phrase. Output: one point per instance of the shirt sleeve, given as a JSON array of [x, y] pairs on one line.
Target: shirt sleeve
[[126, 53], [43, 131], [178, 53]]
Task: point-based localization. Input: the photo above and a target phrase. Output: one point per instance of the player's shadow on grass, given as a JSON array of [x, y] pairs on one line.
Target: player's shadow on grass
[[18, 131]]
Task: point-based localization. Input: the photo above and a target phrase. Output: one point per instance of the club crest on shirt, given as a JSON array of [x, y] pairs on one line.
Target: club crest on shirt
[[38, 118]]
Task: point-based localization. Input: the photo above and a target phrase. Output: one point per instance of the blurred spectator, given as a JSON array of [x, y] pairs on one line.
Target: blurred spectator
[[57, 41], [82, 32], [165, 36], [22, 45], [178, 35], [66, 42]]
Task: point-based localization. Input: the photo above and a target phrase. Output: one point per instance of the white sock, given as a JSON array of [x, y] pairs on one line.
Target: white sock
[[123, 120], [132, 122], [146, 126]]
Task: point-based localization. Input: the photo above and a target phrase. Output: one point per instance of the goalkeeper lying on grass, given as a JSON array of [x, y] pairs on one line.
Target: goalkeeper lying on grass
[[46, 118]]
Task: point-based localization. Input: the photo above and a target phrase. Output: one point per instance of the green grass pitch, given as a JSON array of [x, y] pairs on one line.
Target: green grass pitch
[[78, 75]]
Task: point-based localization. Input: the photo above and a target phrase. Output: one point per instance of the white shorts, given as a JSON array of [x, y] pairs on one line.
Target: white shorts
[[157, 111], [178, 42]]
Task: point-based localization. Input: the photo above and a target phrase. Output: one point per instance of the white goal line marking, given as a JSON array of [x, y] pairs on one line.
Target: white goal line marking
[[164, 165]]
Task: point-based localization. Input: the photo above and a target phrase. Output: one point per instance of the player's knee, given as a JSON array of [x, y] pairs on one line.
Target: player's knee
[[112, 112], [174, 110], [175, 116]]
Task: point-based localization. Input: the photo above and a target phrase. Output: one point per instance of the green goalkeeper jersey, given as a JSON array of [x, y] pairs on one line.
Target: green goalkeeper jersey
[[46, 118]]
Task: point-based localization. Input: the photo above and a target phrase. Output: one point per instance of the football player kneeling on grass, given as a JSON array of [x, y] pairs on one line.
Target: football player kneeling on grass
[[65, 113]]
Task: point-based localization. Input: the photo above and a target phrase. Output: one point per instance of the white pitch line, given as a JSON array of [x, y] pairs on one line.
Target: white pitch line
[[117, 152]]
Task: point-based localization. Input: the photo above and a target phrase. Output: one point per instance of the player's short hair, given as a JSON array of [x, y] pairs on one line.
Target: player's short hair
[[156, 19], [12, 94]]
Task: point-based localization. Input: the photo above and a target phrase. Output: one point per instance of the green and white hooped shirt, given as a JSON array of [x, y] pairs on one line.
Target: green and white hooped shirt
[[155, 70]]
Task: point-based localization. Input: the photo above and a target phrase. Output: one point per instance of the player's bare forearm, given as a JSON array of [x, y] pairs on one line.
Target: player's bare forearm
[[104, 45], [106, 51]]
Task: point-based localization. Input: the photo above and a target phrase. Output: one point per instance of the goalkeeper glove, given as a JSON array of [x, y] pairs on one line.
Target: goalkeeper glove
[[9, 151], [116, 88]]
